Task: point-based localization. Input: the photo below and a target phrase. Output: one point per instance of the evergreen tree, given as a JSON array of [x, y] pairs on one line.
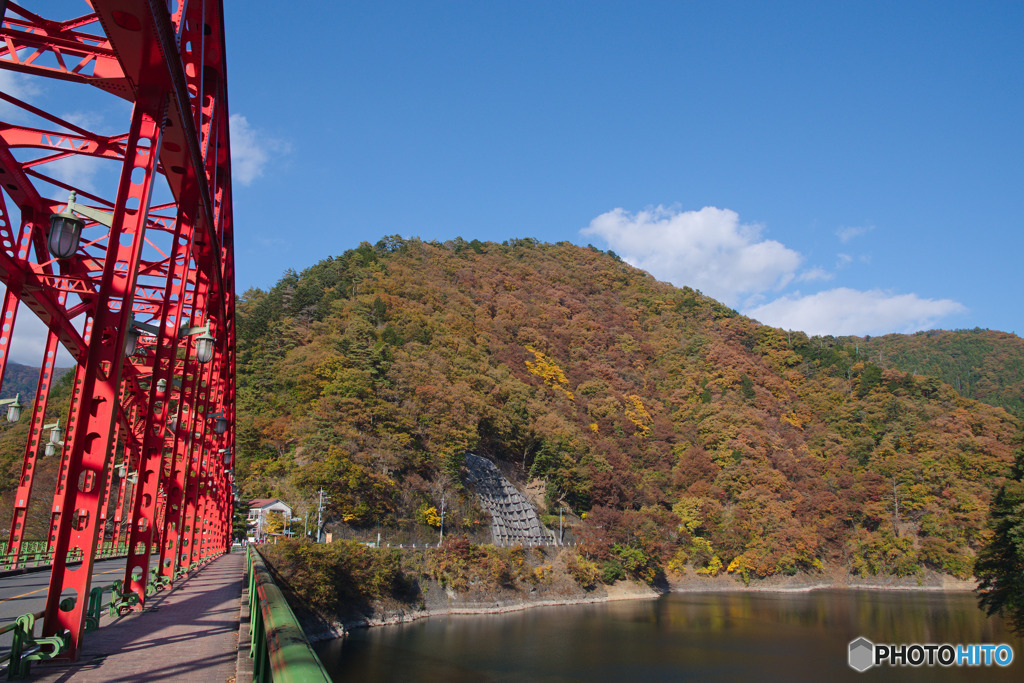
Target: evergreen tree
[[1000, 565]]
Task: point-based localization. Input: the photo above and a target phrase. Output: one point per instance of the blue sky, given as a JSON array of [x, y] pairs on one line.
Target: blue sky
[[861, 164], [844, 168]]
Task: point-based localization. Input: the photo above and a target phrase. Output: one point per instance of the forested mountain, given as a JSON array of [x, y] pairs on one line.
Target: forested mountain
[[982, 364], [681, 433], [21, 380]]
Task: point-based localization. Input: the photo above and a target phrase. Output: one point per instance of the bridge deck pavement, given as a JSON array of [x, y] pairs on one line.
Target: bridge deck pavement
[[189, 633]]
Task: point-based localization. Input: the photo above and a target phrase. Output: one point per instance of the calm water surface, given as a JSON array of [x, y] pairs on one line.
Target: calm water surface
[[682, 636]]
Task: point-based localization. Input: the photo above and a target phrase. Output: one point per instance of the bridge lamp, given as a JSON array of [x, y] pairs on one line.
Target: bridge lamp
[[56, 438], [221, 424], [131, 340], [204, 349], [65, 233], [135, 330], [161, 387], [204, 342], [13, 408], [66, 227]]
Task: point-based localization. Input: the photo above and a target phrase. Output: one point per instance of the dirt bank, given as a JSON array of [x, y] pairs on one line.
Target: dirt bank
[[832, 578]]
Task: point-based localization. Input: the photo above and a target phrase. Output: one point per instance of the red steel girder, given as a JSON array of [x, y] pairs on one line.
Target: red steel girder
[[101, 378], [151, 468], [36, 439], [75, 55], [172, 68]]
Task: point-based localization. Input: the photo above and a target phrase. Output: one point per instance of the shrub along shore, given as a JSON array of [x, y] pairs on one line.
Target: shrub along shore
[[346, 584]]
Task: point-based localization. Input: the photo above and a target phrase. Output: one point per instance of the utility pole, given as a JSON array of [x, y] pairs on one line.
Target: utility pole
[[560, 536], [441, 537], [319, 513]]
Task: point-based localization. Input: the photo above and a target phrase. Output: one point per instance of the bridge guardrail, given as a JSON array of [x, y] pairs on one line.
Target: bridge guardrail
[[279, 647], [35, 554], [27, 648]]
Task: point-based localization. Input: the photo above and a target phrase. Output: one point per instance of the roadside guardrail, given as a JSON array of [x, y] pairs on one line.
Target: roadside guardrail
[[279, 647]]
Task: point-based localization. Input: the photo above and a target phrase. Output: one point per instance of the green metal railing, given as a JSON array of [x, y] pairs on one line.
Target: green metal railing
[[278, 646], [34, 554], [27, 648]]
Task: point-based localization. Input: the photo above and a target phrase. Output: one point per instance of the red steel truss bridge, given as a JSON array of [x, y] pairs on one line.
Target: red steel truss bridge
[[116, 233]]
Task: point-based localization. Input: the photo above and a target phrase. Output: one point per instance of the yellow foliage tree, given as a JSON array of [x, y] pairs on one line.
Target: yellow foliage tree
[[273, 522], [428, 515], [689, 510], [549, 371], [638, 415]]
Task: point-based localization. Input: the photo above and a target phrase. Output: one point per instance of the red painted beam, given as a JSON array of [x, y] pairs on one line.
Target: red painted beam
[[172, 68]]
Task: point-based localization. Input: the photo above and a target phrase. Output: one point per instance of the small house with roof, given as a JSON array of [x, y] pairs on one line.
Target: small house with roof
[[259, 511]]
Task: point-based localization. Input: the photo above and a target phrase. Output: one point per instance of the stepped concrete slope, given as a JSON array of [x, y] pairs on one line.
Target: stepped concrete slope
[[514, 520]]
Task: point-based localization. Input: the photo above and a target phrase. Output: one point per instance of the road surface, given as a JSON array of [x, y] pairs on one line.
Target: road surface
[[25, 593]]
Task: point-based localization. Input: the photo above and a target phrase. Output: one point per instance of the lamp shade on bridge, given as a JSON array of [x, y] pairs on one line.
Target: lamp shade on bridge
[[65, 233], [56, 439], [220, 425], [204, 347], [131, 340], [14, 411]]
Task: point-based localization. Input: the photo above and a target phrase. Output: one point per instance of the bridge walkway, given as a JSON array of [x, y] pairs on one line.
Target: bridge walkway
[[187, 633]]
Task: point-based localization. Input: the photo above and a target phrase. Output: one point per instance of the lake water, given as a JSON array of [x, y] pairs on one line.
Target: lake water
[[680, 636]]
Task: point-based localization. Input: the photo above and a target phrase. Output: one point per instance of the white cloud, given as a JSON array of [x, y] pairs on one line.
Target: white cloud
[[96, 121], [272, 242], [29, 340], [814, 274], [848, 311], [709, 250], [77, 170], [847, 234], [712, 251], [19, 86], [251, 150]]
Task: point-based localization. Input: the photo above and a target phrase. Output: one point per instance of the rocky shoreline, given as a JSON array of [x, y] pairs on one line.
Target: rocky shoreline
[[827, 580], [441, 602]]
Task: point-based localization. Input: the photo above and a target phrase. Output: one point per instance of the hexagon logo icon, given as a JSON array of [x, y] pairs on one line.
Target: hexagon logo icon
[[862, 654]]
